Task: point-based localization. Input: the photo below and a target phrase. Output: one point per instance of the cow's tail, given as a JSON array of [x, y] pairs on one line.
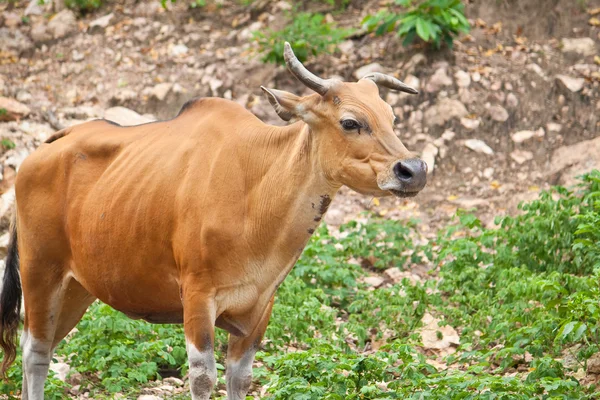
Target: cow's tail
[[10, 300]]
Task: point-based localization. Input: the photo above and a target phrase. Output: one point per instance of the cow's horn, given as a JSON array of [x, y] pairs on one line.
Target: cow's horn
[[390, 82], [309, 79]]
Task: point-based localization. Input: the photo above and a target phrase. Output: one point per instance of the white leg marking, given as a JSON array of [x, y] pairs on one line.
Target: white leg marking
[[24, 395], [203, 372], [36, 359], [239, 376]]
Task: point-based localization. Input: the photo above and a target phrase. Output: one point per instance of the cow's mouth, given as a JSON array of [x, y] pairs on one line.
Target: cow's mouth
[[402, 193]]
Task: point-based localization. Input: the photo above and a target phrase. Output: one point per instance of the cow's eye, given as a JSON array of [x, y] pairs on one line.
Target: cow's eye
[[350, 124]]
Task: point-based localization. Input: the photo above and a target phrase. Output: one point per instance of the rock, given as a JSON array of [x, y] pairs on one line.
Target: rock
[[99, 24], [593, 364], [470, 124], [174, 381], [149, 397], [13, 41], [570, 161], [536, 68], [438, 80], [412, 64], [553, 127], [580, 46], [437, 337], [11, 110], [11, 19], [396, 275], [478, 146], [23, 96], [463, 79], [571, 84], [334, 217], [428, 155], [511, 100], [39, 131], [179, 50], [521, 156], [488, 173], [34, 8], [374, 281], [522, 136], [367, 69], [61, 370], [444, 111], [346, 47], [124, 116], [498, 113], [161, 90], [62, 24], [39, 33]]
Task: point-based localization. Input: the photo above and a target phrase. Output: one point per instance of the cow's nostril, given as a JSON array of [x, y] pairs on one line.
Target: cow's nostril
[[403, 172]]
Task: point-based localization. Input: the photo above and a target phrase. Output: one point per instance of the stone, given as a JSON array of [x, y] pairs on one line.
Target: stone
[[437, 337], [33, 8], [438, 80], [580, 46], [511, 100], [521, 156], [61, 370], [99, 24], [535, 68], [463, 79], [488, 173], [412, 64], [374, 281], [569, 83], [13, 41], [62, 24], [39, 33], [478, 146], [173, 381], [179, 50], [396, 275], [430, 151], [570, 161], [593, 364], [346, 47], [444, 111], [124, 116], [367, 69], [23, 96], [149, 397], [553, 127], [469, 123], [11, 109], [161, 90], [522, 136], [498, 113], [11, 19]]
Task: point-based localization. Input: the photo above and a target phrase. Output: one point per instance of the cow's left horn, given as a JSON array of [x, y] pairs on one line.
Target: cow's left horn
[[309, 79], [390, 82]]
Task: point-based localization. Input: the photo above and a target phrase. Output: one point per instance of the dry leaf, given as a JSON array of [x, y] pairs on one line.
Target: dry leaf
[[437, 337], [594, 21]]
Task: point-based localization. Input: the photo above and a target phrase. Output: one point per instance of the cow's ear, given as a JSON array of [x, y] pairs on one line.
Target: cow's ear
[[284, 103]]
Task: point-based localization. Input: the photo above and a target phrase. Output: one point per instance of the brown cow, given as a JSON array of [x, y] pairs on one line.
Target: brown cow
[[194, 220]]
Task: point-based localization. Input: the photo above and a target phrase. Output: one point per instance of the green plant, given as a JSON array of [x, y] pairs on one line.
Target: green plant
[[83, 5], [434, 21], [309, 34], [7, 144]]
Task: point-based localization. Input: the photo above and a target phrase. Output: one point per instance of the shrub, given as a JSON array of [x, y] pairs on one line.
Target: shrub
[[434, 21], [83, 5], [309, 34]]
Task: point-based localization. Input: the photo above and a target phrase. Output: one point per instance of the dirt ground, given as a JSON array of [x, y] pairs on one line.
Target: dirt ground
[[502, 79]]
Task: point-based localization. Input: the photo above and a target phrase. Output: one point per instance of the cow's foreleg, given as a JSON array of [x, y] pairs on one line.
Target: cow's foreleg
[[199, 317], [240, 355]]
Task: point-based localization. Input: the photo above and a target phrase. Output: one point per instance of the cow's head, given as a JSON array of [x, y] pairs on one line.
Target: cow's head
[[354, 129]]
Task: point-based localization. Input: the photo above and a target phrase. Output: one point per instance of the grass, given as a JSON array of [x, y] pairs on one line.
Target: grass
[[520, 297]]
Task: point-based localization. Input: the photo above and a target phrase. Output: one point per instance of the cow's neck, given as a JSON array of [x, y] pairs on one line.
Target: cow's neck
[[291, 193]]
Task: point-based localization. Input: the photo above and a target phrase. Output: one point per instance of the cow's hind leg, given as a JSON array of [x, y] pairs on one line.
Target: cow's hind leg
[[240, 356], [54, 303]]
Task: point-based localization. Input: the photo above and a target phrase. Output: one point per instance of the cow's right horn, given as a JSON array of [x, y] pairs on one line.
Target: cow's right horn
[[309, 79]]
